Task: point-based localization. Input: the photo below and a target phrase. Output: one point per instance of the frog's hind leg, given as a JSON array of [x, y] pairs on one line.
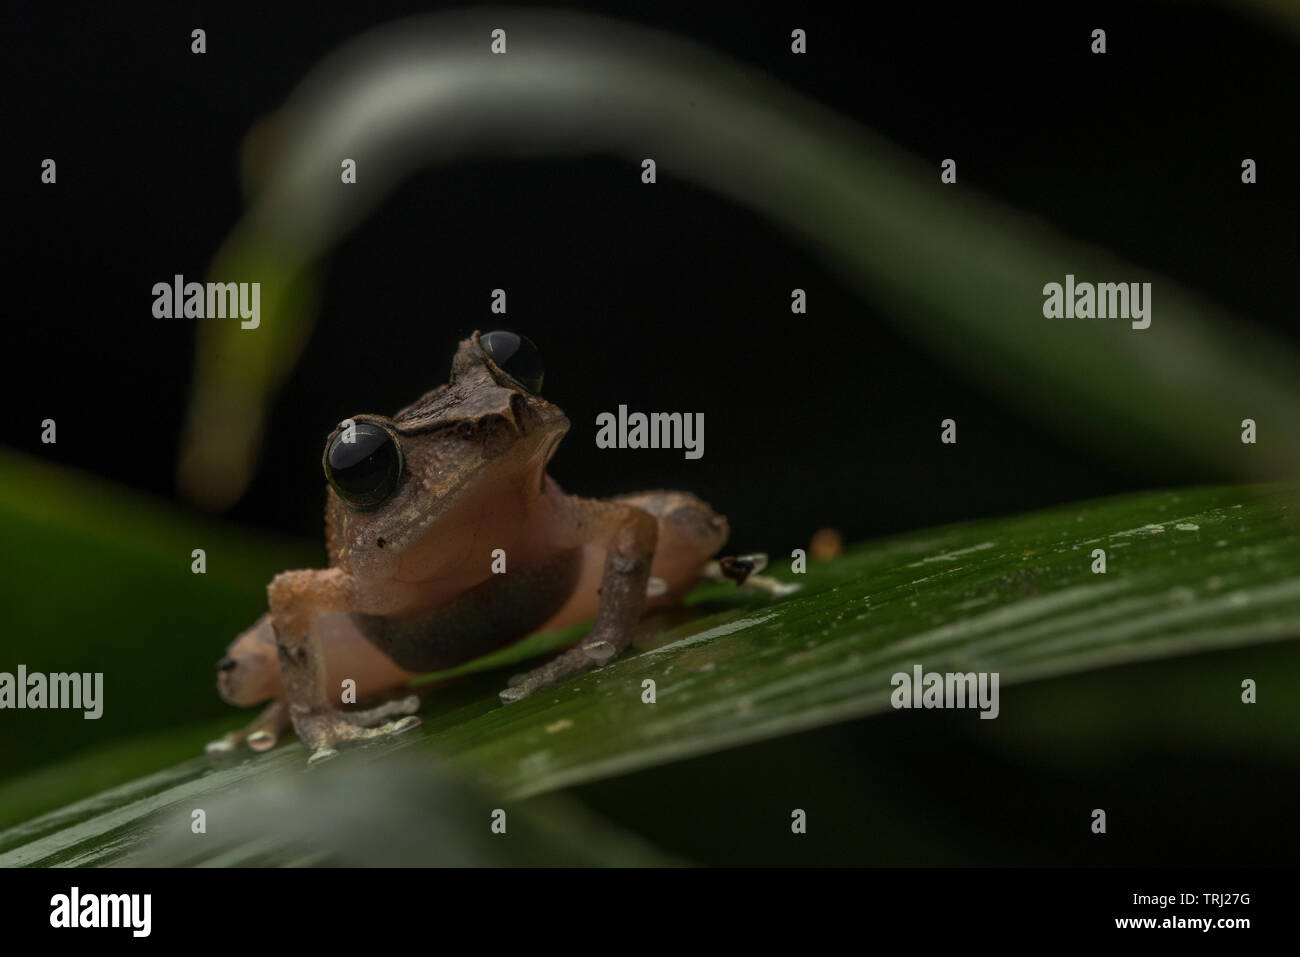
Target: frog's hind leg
[[250, 671], [250, 674], [260, 735], [690, 533]]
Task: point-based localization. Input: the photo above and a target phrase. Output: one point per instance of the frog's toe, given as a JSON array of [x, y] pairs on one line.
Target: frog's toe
[[260, 735], [257, 740], [262, 740], [324, 730], [321, 754], [369, 716], [354, 732], [600, 651], [572, 662], [513, 693], [771, 586]]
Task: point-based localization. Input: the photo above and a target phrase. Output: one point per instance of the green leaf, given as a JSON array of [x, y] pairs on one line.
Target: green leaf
[[1187, 571], [275, 811], [98, 579]]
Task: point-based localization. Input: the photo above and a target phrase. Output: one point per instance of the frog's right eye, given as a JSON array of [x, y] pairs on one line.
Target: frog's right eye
[[516, 356], [363, 464]]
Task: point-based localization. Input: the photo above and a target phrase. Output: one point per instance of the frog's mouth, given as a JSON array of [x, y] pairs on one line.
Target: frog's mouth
[[550, 445]]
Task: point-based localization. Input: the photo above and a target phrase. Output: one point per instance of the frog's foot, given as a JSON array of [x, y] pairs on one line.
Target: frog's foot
[[773, 586], [591, 653], [736, 568], [324, 730], [260, 735], [743, 570], [370, 716]]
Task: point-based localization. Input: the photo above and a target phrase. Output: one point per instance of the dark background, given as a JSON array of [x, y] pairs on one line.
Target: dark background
[[663, 298]]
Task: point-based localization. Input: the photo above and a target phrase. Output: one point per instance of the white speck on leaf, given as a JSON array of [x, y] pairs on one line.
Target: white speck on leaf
[[727, 629], [952, 556]]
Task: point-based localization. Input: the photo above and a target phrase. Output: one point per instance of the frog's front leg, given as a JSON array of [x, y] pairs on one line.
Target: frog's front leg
[[297, 600], [628, 534]]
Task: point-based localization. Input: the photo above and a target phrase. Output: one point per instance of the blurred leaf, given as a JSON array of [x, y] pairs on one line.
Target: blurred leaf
[[1188, 571], [101, 768], [960, 272], [98, 579], [353, 811]]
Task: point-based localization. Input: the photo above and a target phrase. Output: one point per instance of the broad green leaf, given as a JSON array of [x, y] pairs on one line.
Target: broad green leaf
[[1187, 571]]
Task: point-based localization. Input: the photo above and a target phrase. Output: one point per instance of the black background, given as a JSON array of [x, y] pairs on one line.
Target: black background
[[1013, 905], [663, 298]]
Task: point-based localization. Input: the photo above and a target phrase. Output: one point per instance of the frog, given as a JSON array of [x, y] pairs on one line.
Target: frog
[[447, 540]]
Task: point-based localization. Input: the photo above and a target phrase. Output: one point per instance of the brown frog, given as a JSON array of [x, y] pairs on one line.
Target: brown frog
[[419, 505]]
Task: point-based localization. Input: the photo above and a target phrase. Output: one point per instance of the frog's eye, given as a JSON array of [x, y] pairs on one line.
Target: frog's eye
[[516, 356], [363, 464]]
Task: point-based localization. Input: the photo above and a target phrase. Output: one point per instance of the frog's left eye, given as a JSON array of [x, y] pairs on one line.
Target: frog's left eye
[[363, 464], [516, 356]]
